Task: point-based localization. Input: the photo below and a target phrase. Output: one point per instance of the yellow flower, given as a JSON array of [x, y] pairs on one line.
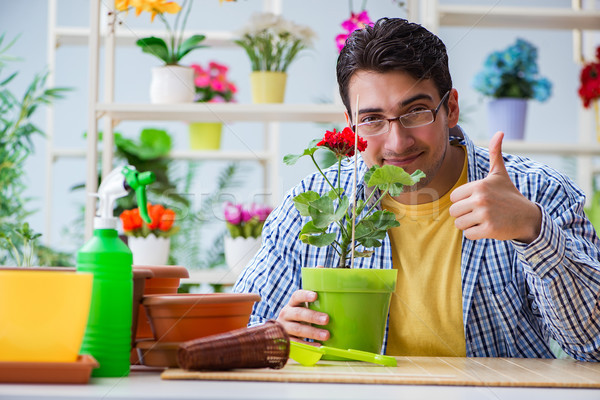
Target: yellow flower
[[152, 6]]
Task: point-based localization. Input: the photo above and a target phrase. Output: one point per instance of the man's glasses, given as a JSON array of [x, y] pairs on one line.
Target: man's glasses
[[411, 120]]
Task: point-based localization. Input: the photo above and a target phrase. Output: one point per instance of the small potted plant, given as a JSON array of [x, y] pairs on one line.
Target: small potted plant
[[356, 300], [244, 224], [272, 43], [212, 86], [172, 82], [510, 78], [149, 243]]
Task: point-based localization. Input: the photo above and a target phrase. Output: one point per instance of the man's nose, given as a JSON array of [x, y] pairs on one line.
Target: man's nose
[[399, 137]]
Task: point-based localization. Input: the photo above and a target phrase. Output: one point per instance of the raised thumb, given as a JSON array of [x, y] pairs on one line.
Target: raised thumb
[[496, 161]]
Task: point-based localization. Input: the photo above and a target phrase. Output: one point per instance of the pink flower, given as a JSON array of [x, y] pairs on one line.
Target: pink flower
[[212, 84], [356, 21], [233, 213]]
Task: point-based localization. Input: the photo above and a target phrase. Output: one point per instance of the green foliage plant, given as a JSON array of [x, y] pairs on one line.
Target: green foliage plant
[[335, 208], [16, 145]]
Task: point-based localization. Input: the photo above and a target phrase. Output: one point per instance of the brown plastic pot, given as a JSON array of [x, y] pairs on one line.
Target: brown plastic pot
[[158, 354], [181, 317], [165, 279]]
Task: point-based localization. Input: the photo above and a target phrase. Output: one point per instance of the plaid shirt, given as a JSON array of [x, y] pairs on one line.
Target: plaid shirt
[[516, 297]]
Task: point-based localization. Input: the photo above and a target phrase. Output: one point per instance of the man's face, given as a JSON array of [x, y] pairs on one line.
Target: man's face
[[389, 95]]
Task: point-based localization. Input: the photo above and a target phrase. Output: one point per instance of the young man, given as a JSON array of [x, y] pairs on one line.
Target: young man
[[495, 256]]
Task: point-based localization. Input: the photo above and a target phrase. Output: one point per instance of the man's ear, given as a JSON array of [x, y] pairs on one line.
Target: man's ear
[[453, 109], [348, 122]]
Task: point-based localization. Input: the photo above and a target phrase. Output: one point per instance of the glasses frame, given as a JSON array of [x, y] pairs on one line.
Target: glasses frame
[[400, 118]]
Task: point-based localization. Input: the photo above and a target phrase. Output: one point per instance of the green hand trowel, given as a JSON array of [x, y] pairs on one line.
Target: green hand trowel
[[308, 355]]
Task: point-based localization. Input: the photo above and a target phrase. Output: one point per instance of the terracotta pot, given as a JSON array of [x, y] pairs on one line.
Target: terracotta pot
[[157, 354], [165, 279], [181, 317]]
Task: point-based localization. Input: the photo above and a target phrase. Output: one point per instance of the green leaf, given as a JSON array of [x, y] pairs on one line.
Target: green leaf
[[156, 143], [370, 231], [154, 46], [190, 44], [303, 200], [321, 240], [310, 229], [321, 211], [291, 159]]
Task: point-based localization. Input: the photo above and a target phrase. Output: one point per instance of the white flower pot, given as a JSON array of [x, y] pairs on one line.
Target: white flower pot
[[150, 250], [239, 252], [172, 84], [507, 115]]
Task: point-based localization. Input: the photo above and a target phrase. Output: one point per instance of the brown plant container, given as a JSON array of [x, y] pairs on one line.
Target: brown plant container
[[181, 317], [165, 279], [48, 372], [157, 354]]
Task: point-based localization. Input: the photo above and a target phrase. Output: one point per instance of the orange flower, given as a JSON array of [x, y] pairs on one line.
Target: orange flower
[[155, 212], [167, 219], [131, 219]]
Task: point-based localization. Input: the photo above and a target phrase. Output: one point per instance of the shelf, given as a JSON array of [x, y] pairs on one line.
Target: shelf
[[219, 155], [562, 149], [225, 112], [518, 17], [217, 276], [78, 36]]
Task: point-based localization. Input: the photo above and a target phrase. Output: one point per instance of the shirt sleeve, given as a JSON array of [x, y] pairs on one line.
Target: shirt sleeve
[[274, 273], [563, 272]]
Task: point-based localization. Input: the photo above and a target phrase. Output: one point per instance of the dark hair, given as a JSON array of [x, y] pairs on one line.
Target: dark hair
[[394, 44]]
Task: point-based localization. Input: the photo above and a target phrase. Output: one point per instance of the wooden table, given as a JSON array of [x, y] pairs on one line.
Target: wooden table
[[147, 384]]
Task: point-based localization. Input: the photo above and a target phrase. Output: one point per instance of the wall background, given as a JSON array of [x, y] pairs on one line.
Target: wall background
[[311, 79]]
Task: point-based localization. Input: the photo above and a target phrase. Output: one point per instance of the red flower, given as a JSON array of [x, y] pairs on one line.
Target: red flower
[[342, 143], [590, 81]]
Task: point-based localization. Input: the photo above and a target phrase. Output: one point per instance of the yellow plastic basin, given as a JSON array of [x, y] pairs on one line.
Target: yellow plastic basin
[[43, 314]]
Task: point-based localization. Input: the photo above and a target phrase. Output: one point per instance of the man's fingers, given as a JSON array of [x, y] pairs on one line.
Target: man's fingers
[[496, 160], [299, 297]]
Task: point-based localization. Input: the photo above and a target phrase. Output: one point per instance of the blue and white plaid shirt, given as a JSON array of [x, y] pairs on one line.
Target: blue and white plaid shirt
[[516, 297]]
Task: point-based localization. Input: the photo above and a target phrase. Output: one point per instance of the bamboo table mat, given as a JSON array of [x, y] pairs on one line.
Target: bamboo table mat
[[516, 372]]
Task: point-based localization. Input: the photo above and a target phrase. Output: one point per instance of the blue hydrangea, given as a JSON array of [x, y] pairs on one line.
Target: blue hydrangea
[[513, 72]]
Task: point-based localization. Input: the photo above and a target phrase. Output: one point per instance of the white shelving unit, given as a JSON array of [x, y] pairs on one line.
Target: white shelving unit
[[577, 18], [99, 35]]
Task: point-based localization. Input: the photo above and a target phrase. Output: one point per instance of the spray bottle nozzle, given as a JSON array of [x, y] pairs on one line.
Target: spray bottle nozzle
[[138, 182]]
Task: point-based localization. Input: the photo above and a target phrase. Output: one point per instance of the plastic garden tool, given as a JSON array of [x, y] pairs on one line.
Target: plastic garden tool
[[308, 355]]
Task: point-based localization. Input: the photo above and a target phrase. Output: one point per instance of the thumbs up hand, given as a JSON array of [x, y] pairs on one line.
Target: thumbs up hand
[[492, 207]]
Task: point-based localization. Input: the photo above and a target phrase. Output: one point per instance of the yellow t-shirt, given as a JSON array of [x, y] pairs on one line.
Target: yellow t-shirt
[[426, 309]]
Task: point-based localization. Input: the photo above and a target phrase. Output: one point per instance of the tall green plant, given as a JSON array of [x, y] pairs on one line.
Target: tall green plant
[[16, 133]]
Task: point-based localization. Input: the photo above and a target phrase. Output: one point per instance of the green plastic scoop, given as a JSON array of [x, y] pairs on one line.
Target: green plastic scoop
[[308, 355]]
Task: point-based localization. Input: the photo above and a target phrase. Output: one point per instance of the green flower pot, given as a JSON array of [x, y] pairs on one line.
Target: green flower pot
[[357, 302]]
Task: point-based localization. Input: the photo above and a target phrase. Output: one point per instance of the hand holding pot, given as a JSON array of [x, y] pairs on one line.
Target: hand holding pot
[[296, 317]]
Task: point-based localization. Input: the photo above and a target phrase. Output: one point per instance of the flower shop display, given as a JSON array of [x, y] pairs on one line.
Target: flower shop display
[[171, 83], [356, 21], [149, 243], [510, 78], [589, 91], [272, 43], [356, 300], [244, 224], [212, 86]]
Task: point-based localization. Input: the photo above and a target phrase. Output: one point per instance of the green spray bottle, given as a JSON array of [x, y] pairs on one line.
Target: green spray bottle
[[108, 332]]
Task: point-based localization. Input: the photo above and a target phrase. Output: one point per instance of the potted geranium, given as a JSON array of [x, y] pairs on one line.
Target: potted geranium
[[149, 243], [244, 225], [356, 300], [212, 86], [510, 78], [172, 82], [272, 43]]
